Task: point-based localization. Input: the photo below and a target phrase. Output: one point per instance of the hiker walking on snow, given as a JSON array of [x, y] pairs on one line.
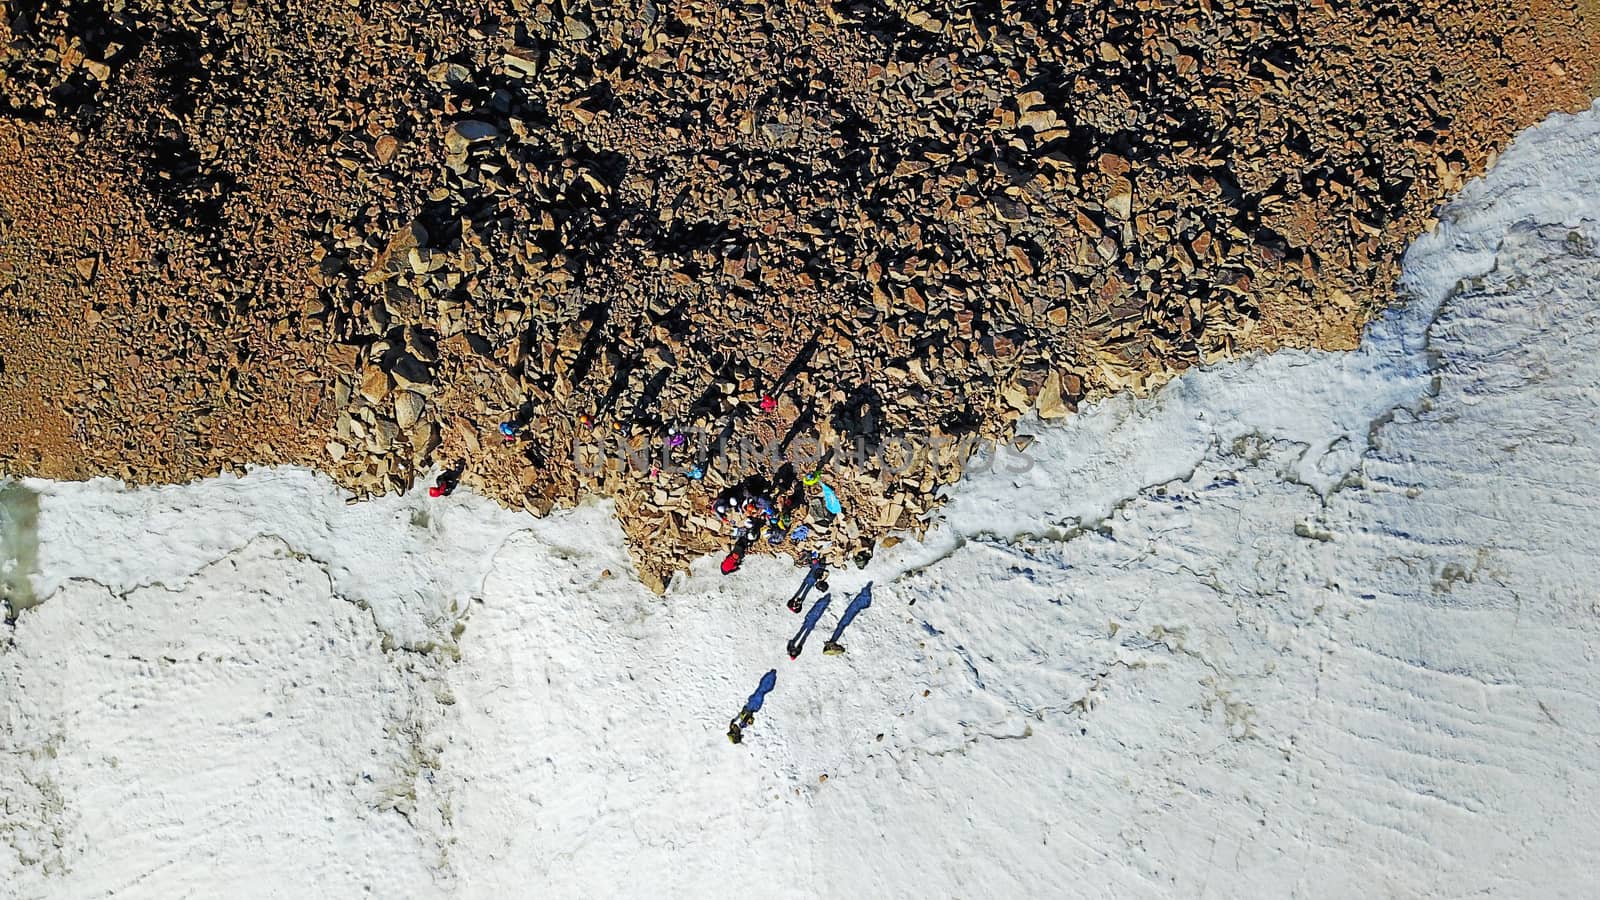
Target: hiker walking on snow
[[798, 642], [752, 706]]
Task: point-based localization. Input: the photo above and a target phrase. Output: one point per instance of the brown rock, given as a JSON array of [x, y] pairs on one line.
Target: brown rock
[[385, 148], [376, 385], [408, 408], [1114, 165], [520, 62], [1051, 403], [1120, 204], [462, 135]]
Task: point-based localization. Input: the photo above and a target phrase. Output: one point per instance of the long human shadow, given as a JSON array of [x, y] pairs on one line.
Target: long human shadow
[[798, 642], [861, 602], [752, 706], [800, 363]]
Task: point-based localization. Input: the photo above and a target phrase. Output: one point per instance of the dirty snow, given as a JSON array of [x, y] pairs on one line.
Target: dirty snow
[[1304, 625]]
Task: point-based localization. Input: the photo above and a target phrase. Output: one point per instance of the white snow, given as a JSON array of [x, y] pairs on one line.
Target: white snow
[[413, 559], [1309, 624]]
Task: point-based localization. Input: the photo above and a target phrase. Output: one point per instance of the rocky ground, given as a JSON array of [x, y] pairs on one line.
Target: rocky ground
[[358, 236]]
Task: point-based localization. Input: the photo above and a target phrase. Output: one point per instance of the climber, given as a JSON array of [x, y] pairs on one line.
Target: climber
[[752, 706], [744, 537], [446, 483]]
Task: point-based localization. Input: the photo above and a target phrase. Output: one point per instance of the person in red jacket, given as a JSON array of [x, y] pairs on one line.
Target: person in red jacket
[[445, 484], [730, 563]]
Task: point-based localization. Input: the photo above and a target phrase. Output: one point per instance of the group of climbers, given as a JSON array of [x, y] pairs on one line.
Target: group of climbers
[[757, 507], [754, 508], [750, 509], [816, 570]]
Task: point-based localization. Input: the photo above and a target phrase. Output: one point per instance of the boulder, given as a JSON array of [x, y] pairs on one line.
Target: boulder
[[1051, 404], [464, 134], [408, 408]]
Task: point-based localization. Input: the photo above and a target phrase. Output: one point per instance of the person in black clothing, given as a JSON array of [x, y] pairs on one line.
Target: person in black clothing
[[445, 484]]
